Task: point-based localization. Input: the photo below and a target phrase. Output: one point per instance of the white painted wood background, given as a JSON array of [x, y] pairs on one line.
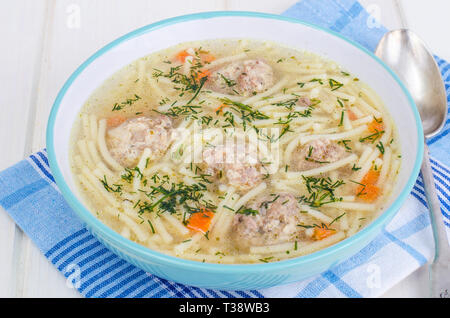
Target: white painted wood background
[[42, 46]]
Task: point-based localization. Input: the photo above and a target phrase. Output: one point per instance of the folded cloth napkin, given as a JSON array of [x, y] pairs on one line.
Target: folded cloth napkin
[[29, 194]]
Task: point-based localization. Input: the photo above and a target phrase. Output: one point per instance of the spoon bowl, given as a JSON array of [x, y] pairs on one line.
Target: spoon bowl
[[408, 56]]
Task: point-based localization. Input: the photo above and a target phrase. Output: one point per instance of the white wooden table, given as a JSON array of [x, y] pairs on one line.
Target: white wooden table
[[43, 41]]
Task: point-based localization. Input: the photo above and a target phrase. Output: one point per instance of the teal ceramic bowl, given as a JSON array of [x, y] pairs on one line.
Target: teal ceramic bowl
[[213, 25]]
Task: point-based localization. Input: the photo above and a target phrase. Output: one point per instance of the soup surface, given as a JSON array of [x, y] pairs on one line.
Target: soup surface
[[234, 151]]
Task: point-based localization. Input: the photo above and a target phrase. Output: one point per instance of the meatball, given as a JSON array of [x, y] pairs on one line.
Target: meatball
[[315, 153], [245, 78], [127, 141], [237, 163], [276, 221]]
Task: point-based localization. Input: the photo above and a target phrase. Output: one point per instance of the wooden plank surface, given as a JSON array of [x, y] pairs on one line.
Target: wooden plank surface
[[21, 35], [46, 41]]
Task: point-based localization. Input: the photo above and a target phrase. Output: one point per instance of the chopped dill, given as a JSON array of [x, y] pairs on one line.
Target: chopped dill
[[248, 114], [306, 226], [319, 80], [372, 137], [378, 120], [345, 143], [341, 100], [247, 211], [336, 219], [334, 85], [151, 226], [166, 196], [266, 259], [130, 174], [229, 82], [183, 110], [341, 121], [380, 147], [117, 188], [128, 102], [321, 191], [308, 157], [192, 82], [362, 185]]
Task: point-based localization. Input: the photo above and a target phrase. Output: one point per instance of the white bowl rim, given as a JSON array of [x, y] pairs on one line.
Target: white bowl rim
[[148, 255]]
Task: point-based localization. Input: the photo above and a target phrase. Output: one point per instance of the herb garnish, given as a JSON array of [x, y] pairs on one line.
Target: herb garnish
[[182, 110], [337, 218], [362, 189], [266, 259], [248, 114], [130, 174], [345, 143], [151, 226], [128, 102], [319, 80], [341, 100], [247, 211], [341, 121], [308, 157], [321, 191], [229, 82], [334, 85], [117, 188], [193, 82], [372, 137], [380, 147], [167, 196]]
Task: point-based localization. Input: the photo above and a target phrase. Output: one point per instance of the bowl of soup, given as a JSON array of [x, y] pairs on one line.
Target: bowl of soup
[[234, 150]]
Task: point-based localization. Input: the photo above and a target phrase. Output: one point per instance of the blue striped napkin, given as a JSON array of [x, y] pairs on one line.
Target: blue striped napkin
[[29, 194]]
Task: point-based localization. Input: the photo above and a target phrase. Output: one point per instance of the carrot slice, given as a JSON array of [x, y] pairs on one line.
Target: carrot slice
[[182, 55], [207, 58], [369, 192], [322, 232], [202, 73], [115, 121], [204, 57], [200, 221], [371, 177], [351, 115], [220, 108], [375, 126]]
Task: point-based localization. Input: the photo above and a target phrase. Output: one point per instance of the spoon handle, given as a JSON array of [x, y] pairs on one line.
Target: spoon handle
[[440, 267]]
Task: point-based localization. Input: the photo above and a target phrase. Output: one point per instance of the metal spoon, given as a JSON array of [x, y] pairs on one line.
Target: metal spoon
[[406, 54]]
